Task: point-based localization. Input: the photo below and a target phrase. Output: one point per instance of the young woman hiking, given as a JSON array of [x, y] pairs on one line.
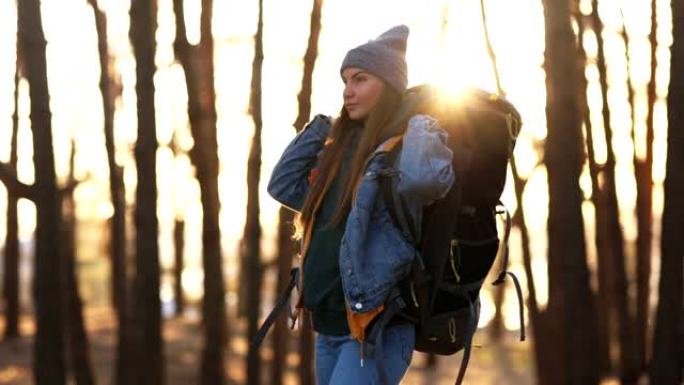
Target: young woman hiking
[[353, 254]]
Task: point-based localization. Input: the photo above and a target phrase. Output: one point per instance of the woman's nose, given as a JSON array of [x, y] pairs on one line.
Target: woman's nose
[[348, 91]]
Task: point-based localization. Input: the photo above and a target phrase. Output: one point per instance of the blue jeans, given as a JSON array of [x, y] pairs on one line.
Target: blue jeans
[[338, 359]]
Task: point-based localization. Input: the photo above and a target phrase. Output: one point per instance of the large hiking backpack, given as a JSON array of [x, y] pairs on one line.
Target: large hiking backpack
[[457, 240]]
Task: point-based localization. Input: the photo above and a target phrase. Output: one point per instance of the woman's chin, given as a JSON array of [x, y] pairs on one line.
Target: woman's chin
[[355, 115]]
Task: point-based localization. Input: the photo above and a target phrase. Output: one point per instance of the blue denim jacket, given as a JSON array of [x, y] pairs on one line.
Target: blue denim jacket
[[374, 254]]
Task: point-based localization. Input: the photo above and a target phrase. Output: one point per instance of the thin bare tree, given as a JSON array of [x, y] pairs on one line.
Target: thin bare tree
[[178, 266], [48, 356], [251, 254], [198, 66], [48, 362], [668, 337], [116, 184], [613, 230], [10, 287], [604, 296], [643, 169], [214, 305], [518, 218], [144, 360], [496, 326], [286, 247], [117, 242], [74, 329], [570, 317], [178, 248]]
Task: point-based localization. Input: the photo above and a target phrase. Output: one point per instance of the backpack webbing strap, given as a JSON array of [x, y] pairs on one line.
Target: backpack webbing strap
[[283, 300], [501, 209], [521, 311], [472, 327], [395, 203], [397, 209], [504, 269], [374, 341]]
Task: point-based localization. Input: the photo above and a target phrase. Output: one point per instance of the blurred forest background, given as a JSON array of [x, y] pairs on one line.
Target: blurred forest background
[[139, 245]]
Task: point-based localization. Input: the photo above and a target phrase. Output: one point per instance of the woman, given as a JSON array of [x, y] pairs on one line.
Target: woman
[[352, 252]]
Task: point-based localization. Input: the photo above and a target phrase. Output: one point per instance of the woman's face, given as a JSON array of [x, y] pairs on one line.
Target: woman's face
[[362, 91]]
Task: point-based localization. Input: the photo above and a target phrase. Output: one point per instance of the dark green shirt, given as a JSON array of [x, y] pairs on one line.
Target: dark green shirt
[[323, 293]]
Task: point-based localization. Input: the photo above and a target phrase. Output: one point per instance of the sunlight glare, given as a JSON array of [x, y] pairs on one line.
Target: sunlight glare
[[193, 11], [192, 280]]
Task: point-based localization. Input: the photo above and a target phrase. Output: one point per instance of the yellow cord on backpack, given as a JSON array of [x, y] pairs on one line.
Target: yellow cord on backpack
[[454, 243]]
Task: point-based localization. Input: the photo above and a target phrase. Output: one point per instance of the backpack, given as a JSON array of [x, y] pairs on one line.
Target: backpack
[[457, 241]]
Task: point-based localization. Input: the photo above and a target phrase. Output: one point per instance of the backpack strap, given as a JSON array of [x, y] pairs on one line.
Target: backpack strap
[[397, 208], [374, 347], [396, 205], [283, 300], [501, 209], [472, 328]]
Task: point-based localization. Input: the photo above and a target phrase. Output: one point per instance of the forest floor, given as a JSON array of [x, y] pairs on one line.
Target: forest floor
[[504, 363]]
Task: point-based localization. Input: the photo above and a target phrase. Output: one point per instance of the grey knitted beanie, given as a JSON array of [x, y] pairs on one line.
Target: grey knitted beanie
[[383, 57]]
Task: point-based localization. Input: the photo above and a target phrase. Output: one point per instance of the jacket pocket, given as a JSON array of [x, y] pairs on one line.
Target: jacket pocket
[[398, 252]]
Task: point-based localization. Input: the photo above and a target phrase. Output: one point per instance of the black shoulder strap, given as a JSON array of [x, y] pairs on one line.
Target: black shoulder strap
[[374, 348], [279, 306], [395, 203], [501, 209]]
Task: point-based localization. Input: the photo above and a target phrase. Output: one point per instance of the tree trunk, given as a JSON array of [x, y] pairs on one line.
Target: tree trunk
[[668, 338], [117, 243], [280, 337], [540, 348], [145, 362], [600, 237], [48, 362], [179, 249], [644, 186], [629, 372], [644, 182], [304, 96], [198, 65], [571, 307], [252, 233], [605, 274], [11, 266], [116, 183], [287, 248], [76, 337]]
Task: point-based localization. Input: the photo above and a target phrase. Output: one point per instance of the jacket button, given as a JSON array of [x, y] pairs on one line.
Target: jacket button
[[349, 271], [358, 306]]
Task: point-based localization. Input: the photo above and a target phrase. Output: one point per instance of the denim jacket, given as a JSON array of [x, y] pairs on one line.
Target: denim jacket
[[374, 254]]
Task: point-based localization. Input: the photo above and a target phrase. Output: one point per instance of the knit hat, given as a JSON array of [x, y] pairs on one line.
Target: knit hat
[[383, 57]]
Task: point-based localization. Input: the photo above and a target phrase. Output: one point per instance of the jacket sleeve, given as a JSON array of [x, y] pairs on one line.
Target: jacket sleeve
[[425, 170], [289, 179]]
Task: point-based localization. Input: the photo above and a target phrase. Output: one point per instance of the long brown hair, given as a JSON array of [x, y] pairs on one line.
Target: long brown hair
[[376, 129]]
